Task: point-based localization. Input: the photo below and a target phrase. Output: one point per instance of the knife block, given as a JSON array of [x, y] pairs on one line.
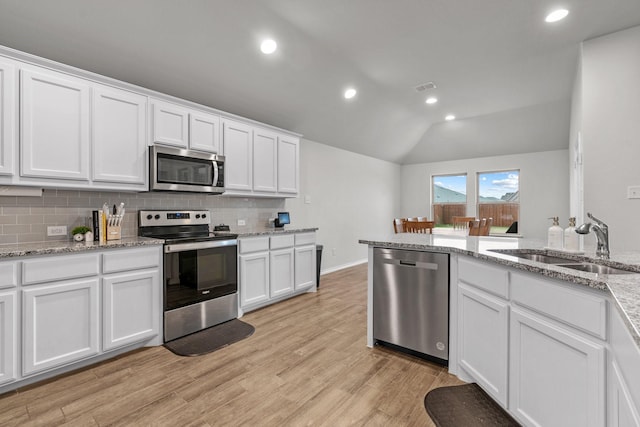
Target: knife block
[[114, 232]]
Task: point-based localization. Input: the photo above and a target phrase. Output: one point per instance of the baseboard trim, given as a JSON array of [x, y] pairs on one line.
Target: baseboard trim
[[342, 267]]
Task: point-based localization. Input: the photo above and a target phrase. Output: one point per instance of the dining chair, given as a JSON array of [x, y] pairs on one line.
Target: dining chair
[[418, 226], [480, 227], [422, 219], [398, 225]]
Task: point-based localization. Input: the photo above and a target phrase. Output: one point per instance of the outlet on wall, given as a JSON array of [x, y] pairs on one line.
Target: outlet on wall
[[333, 251], [57, 230], [241, 222], [633, 192]]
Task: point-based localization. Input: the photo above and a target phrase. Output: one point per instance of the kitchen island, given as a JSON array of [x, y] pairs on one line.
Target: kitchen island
[[552, 345]]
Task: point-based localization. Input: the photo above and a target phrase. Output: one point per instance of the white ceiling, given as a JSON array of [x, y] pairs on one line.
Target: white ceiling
[[504, 72]]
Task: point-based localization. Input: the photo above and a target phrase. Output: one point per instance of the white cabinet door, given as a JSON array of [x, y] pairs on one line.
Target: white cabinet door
[[237, 141], [54, 125], [130, 308], [281, 265], [305, 266], [8, 336], [119, 136], [622, 410], [558, 377], [483, 334], [8, 107], [265, 158], [204, 131], [170, 124], [288, 165], [60, 324], [254, 278]]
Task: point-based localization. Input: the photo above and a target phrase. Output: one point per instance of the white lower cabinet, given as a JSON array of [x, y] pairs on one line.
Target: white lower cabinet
[[557, 376], [622, 409], [538, 346], [8, 336], [130, 308], [60, 324], [483, 339], [63, 310], [254, 278], [305, 266], [281, 276], [275, 267]]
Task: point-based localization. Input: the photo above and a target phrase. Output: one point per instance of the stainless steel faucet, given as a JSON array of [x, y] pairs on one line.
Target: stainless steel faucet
[[602, 234]]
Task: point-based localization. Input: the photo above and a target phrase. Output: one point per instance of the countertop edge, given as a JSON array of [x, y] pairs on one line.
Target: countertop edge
[[50, 248]]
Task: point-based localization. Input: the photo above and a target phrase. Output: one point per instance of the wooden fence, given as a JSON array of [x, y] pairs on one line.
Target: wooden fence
[[503, 214]]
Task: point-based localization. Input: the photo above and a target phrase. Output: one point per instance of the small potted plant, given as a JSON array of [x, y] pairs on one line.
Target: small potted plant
[[79, 232]]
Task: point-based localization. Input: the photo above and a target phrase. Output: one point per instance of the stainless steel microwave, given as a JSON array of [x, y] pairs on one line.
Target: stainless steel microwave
[[175, 169]]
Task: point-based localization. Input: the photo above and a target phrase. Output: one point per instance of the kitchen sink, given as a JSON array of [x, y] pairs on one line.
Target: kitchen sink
[[546, 259], [596, 268]]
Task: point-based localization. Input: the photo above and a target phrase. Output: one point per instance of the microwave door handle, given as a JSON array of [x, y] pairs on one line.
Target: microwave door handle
[[215, 173]]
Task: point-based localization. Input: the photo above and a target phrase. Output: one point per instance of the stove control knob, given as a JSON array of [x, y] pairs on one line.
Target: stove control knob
[[203, 216], [157, 216], [149, 216], [198, 216]]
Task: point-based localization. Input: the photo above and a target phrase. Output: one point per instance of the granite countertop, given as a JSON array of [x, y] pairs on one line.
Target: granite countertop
[[60, 247], [269, 231], [625, 288]]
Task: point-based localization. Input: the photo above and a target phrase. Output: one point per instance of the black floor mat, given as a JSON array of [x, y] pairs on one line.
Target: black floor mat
[[211, 339], [465, 405]]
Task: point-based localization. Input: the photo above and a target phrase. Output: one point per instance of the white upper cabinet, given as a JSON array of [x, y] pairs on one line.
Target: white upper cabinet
[[7, 116], [184, 127], [288, 165], [204, 132], [237, 145], [54, 125], [119, 136], [265, 157], [170, 124]]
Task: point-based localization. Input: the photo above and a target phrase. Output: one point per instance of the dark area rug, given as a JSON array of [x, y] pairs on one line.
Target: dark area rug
[[211, 339], [465, 405]]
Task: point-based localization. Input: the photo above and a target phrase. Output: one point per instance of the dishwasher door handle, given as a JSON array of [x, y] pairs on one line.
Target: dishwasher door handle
[[417, 264]]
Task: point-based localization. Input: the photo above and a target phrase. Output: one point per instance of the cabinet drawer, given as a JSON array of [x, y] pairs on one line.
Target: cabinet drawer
[[483, 276], [580, 309], [8, 274], [258, 244], [59, 267], [305, 239], [129, 259], [279, 242]]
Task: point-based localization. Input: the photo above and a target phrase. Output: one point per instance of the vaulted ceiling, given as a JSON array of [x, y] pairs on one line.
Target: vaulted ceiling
[[505, 73]]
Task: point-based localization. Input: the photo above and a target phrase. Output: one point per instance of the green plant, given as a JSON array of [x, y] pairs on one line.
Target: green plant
[[80, 230]]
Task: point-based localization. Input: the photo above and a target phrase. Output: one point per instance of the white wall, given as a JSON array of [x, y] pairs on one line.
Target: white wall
[[610, 128], [351, 197], [544, 186]]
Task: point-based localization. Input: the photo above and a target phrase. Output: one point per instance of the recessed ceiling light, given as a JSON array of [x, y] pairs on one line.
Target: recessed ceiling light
[[557, 15], [268, 46], [431, 100], [350, 93], [450, 117]]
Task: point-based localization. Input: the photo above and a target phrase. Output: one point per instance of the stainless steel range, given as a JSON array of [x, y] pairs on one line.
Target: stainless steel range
[[200, 270]]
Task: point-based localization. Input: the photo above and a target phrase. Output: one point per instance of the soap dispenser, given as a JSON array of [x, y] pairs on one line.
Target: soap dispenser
[[571, 238], [554, 235]]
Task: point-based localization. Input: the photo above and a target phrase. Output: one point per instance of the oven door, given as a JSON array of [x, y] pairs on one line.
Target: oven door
[[193, 274], [173, 169]]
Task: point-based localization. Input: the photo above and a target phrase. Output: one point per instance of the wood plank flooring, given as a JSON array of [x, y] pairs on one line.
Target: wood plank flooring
[[306, 364]]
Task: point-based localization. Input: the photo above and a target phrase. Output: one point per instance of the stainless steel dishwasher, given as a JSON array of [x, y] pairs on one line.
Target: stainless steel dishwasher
[[411, 301]]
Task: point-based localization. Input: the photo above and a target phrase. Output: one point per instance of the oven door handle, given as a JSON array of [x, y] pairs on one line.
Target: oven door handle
[[181, 247]]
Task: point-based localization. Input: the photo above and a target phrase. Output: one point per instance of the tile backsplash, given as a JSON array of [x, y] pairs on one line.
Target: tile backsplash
[[25, 219]]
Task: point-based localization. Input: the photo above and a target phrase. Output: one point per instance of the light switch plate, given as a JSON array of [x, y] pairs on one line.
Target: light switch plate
[[307, 200], [633, 192]]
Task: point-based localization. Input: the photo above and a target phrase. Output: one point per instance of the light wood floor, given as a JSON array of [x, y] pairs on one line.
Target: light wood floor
[[306, 364]]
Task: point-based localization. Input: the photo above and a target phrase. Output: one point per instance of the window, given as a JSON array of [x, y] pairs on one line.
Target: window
[[499, 198], [449, 198]]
